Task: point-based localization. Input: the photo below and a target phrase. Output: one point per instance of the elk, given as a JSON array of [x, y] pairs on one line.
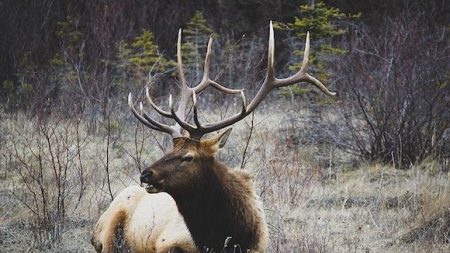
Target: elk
[[217, 203], [140, 222]]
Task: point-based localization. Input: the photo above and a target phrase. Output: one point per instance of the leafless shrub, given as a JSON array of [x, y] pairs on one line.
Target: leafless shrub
[[286, 178], [140, 138], [395, 90], [50, 171], [290, 179]]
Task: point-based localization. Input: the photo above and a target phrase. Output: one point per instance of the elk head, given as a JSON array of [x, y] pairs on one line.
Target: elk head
[[187, 162]]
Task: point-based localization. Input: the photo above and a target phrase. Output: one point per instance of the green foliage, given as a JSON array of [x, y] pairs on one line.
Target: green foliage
[[8, 86], [124, 67], [69, 34], [143, 53], [137, 59], [295, 90], [27, 71], [63, 73], [68, 31], [124, 53], [196, 35], [197, 25], [113, 125], [320, 21]]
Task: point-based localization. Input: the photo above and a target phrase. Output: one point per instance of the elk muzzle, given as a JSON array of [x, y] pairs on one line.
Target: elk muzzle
[[153, 183]]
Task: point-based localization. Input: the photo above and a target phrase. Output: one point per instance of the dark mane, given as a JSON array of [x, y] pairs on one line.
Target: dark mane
[[221, 205]]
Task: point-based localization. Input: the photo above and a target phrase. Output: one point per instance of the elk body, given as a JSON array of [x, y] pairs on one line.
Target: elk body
[[218, 204], [142, 223]]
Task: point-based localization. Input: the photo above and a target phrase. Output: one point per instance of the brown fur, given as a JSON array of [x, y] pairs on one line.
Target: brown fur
[[148, 222], [215, 201]]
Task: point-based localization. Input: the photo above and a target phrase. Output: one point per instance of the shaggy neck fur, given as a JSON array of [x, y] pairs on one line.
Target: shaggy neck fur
[[223, 204]]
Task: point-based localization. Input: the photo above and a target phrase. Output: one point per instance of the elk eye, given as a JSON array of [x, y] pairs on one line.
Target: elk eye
[[188, 158]]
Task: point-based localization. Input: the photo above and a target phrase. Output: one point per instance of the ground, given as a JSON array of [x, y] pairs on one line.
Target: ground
[[317, 198]]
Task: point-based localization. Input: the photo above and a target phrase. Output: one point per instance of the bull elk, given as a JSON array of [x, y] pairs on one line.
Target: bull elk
[[217, 203]]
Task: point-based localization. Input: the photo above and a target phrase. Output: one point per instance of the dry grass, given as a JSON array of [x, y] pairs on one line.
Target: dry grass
[[316, 199]]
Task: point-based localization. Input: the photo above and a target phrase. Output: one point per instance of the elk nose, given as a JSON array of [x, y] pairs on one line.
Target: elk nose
[[146, 175]]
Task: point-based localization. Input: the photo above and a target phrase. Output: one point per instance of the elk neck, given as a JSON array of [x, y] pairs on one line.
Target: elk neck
[[222, 204]]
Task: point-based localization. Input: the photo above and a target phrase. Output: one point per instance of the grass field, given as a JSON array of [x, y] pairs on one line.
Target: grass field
[[57, 176]]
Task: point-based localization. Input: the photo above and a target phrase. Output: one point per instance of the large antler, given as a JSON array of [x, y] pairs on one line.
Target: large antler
[[198, 130], [187, 93]]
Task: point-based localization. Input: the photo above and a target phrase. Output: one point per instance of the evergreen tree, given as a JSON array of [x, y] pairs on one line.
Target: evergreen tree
[[143, 53], [196, 35], [321, 22], [67, 62], [137, 60]]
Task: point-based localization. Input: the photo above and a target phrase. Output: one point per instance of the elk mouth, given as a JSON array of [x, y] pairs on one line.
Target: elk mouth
[[153, 187]]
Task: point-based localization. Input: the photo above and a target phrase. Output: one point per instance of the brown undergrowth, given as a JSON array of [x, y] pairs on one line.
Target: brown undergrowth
[[316, 198]]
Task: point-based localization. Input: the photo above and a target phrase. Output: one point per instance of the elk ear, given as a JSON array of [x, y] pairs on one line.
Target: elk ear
[[218, 141]]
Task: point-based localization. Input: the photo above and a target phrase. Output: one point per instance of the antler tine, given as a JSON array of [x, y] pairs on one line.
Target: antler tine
[[185, 90], [163, 127], [211, 127], [302, 76], [159, 110], [196, 121], [224, 89], [138, 115], [305, 55], [146, 120], [201, 130], [270, 75], [270, 79], [180, 62], [183, 124], [206, 81], [244, 102]]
